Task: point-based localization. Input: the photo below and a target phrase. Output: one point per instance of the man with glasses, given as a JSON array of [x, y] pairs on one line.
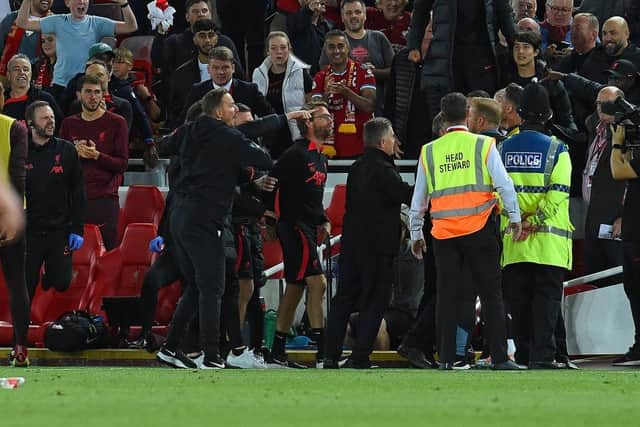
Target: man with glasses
[[524, 9], [555, 31], [302, 173]]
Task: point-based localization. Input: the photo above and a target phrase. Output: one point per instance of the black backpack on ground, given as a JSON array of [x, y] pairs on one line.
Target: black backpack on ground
[[76, 331]]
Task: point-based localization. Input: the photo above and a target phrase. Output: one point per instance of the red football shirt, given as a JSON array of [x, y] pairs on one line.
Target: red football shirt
[[348, 140], [396, 32]]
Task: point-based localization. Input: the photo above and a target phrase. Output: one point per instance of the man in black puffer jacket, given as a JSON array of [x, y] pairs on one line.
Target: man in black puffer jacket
[[462, 54]]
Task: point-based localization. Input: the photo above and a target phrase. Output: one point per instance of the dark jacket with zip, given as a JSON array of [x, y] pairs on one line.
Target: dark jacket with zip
[[375, 192], [55, 192], [437, 69]]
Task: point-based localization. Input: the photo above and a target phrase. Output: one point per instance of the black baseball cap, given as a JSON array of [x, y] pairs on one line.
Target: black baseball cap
[[623, 68]]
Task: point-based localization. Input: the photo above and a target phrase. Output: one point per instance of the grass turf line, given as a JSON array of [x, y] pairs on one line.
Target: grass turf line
[[156, 397]]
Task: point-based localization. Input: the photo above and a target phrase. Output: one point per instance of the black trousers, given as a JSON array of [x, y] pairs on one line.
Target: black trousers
[[105, 213], [255, 319], [364, 286], [163, 272], [51, 249], [200, 254], [537, 295], [631, 272], [601, 254], [243, 22], [473, 68], [230, 321], [480, 253], [12, 257]]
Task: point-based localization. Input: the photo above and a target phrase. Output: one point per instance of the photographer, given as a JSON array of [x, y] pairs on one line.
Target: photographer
[[625, 165]]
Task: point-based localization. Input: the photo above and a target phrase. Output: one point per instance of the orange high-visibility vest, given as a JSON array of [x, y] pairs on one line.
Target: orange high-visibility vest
[[459, 183]]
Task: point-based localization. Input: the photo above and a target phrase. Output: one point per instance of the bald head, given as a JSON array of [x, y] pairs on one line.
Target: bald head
[[615, 35], [528, 24], [607, 94]]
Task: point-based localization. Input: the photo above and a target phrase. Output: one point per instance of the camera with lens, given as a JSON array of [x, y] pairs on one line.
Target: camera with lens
[[628, 115]]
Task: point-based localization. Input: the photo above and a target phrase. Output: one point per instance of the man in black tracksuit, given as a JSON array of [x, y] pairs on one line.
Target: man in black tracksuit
[[370, 242], [210, 163], [55, 202], [302, 172]]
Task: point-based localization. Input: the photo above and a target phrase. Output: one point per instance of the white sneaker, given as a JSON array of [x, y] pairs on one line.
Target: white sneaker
[[246, 360], [198, 360]]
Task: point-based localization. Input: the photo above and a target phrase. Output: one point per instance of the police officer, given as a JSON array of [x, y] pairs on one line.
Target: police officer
[[55, 202], [375, 192], [458, 173], [536, 262]]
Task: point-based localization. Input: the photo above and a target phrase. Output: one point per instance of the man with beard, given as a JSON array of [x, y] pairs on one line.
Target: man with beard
[[15, 40], [350, 91], [193, 71], [615, 45], [302, 173], [55, 200], [102, 141], [370, 48]]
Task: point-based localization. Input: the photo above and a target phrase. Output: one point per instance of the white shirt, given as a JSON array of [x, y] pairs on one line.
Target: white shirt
[[227, 86], [204, 72], [500, 179]]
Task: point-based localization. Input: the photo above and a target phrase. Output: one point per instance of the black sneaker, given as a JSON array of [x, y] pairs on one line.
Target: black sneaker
[[547, 365], [138, 344], [416, 357], [176, 359], [631, 358], [508, 365], [215, 362], [283, 362]]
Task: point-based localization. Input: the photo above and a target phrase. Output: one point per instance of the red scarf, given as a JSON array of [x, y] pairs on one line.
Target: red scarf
[[44, 76], [11, 46]]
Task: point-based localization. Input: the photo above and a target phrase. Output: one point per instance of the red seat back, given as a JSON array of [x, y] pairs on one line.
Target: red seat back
[[167, 301], [336, 208], [144, 203], [49, 305], [136, 258]]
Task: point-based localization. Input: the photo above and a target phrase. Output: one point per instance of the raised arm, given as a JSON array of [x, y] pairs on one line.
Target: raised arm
[[130, 24], [23, 20]]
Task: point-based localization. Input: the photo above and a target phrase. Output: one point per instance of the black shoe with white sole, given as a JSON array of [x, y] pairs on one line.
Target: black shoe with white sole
[[212, 363], [175, 359]]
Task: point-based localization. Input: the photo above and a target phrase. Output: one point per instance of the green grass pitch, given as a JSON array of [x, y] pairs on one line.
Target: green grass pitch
[[114, 397]]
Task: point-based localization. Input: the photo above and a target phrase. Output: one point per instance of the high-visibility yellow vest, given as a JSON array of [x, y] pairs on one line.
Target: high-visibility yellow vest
[[459, 183], [540, 168], [5, 145]]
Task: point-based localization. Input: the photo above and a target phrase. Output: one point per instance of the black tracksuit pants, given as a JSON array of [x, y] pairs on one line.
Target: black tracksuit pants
[[364, 286], [631, 272], [51, 249], [479, 252], [537, 296], [200, 254], [163, 272], [12, 257]]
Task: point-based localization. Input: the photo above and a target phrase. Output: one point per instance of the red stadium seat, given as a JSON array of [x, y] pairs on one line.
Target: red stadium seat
[[336, 208], [120, 272], [272, 252], [144, 204]]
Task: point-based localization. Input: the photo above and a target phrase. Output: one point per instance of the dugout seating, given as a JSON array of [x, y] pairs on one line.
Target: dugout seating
[[143, 204], [120, 271]]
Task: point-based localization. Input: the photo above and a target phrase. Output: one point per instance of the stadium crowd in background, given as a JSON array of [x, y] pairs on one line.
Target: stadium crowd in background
[[342, 63]]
